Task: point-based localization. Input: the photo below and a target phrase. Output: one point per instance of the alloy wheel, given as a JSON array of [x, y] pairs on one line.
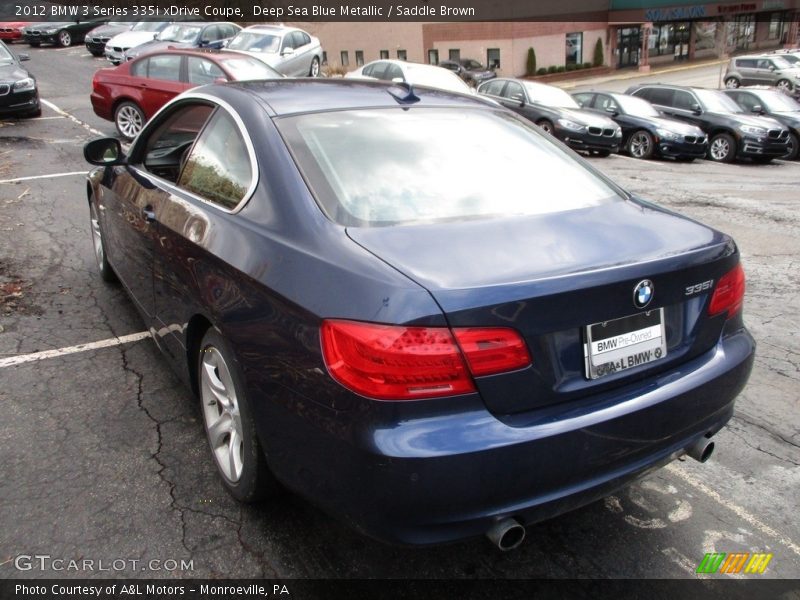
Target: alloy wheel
[[221, 414], [97, 237], [720, 149], [784, 85], [65, 39], [640, 145], [546, 127], [732, 83], [129, 121]]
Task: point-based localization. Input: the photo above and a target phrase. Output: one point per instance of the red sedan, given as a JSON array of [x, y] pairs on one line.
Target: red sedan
[[134, 91], [11, 31]]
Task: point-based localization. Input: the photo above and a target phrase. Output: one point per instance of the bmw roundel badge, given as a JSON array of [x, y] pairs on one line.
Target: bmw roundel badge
[[643, 293]]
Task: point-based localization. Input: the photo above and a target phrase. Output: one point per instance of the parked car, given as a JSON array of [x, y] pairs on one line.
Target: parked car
[[775, 104], [470, 70], [98, 37], [306, 253], [413, 73], [790, 55], [142, 32], [19, 95], [765, 69], [556, 112], [63, 34], [732, 134], [288, 50], [646, 132], [11, 31], [134, 91], [200, 34]]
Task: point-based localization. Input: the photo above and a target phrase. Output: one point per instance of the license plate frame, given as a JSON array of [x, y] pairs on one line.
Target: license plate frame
[[625, 343]]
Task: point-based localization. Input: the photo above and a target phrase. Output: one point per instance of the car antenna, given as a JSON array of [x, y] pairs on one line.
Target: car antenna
[[403, 92]]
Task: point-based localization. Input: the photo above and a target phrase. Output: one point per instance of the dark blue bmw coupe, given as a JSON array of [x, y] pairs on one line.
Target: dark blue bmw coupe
[[423, 351]]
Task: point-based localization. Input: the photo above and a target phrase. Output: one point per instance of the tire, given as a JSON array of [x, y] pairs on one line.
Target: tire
[[228, 422], [641, 145], [794, 148], [37, 112], [129, 119], [313, 71], [64, 38], [722, 148], [784, 85], [104, 268], [732, 83], [601, 153], [546, 126]]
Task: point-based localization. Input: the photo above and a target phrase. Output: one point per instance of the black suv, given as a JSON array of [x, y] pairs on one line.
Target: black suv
[[732, 133], [775, 104]]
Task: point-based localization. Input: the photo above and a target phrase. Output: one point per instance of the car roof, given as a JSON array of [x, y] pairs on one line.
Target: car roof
[[270, 28], [294, 96]]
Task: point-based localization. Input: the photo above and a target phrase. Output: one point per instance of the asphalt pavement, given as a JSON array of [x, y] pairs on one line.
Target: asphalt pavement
[[104, 455]]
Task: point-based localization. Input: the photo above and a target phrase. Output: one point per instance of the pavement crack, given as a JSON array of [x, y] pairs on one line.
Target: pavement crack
[[738, 433], [739, 417]]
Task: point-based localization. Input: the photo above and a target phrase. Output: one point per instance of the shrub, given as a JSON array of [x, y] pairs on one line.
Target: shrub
[[530, 65], [560, 69], [571, 67], [541, 71], [587, 65], [552, 69], [598, 53]]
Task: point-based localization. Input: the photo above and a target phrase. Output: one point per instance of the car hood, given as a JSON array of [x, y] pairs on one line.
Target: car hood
[[588, 118], [156, 45], [496, 252], [129, 39], [675, 126], [15, 24], [12, 72], [51, 25], [109, 30], [791, 118], [752, 120]]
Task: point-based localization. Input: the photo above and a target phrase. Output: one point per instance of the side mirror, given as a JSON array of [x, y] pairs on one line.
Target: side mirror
[[220, 80], [155, 36], [758, 109], [104, 152], [772, 67], [23, 57], [696, 108], [612, 111], [287, 52]]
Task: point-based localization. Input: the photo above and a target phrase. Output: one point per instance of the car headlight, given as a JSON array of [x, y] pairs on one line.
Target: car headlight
[[752, 130], [50, 31], [571, 125], [667, 134], [24, 85], [618, 132]]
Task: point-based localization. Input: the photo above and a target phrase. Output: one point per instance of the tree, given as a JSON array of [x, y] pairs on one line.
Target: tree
[[530, 65], [598, 53]]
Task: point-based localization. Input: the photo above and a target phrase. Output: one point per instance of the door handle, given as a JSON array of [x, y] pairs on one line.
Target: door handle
[[149, 214]]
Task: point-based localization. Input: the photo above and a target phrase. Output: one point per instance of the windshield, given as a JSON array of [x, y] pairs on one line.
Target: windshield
[[716, 101], [407, 165], [781, 63], [791, 58], [244, 68], [473, 64], [436, 77], [255, 42], [5, 55], [549, 95], [638, 107], [778, 102], [149, 26], [180, 33]]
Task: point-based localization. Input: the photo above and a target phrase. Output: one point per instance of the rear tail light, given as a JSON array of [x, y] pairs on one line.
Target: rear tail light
[[729, 293], [391, 362]]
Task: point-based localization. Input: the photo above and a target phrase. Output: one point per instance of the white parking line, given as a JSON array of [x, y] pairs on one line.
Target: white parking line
[[46, 118], [738, 510], [16, 179], [35, 356], [64, 113]]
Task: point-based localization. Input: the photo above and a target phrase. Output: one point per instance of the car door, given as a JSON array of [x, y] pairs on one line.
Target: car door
[[202, 71], [585, 99], [747, 70], [764, 73], [302, 52], [164, 81]]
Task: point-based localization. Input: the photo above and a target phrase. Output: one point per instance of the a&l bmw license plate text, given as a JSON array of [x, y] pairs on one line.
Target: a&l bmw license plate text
[[613, 346]]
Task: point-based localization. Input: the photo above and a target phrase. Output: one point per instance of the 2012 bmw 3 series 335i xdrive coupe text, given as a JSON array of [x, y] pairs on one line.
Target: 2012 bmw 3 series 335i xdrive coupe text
[[424, 352]]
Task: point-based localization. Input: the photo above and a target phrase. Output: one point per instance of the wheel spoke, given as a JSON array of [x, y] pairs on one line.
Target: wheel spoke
[[219, 429], [212, 381], [235, 455]]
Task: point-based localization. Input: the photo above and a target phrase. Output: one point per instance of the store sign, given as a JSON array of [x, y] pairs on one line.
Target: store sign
[[737, 8], [773, 4], [674, 14]]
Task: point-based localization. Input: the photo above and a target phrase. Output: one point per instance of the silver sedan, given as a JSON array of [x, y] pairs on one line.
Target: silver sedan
[[288, 50]]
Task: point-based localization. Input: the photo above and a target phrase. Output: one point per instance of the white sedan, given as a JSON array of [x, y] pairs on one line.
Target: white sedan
[[413, 73]]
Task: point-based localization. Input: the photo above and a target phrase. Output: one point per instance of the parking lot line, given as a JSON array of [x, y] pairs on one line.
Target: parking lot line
[[738, 510], [75, 120], [36, 356], [31, 177]]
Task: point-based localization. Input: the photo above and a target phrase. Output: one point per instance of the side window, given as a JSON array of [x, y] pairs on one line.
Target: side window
[[662, 96], [377, 70], [393, 72], [683, 100], [203, 71], [139, 68], [301, 39], [168, 143], [218, 167], [514, 91], [287, 41], [584, 100], [211, 33], [746, 63], [747, 101], [165, 66], [606, 103], [494, 88]]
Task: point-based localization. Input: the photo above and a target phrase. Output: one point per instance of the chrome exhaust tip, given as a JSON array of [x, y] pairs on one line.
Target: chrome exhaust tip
[[506, 534], [701, 450]]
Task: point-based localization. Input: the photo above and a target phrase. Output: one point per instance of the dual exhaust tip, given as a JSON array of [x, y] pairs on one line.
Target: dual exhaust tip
[[509, 533]]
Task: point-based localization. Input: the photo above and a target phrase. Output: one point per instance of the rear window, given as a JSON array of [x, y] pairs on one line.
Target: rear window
[[395, 166]]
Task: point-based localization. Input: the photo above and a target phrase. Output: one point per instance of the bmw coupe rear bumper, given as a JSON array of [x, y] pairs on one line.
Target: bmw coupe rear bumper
[[456, 469]]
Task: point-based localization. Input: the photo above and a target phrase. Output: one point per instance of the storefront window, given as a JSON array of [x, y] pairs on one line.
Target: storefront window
[[493, 58], [670, 39], [433, 57], [574, 49], [704, 36], [775, 26]]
